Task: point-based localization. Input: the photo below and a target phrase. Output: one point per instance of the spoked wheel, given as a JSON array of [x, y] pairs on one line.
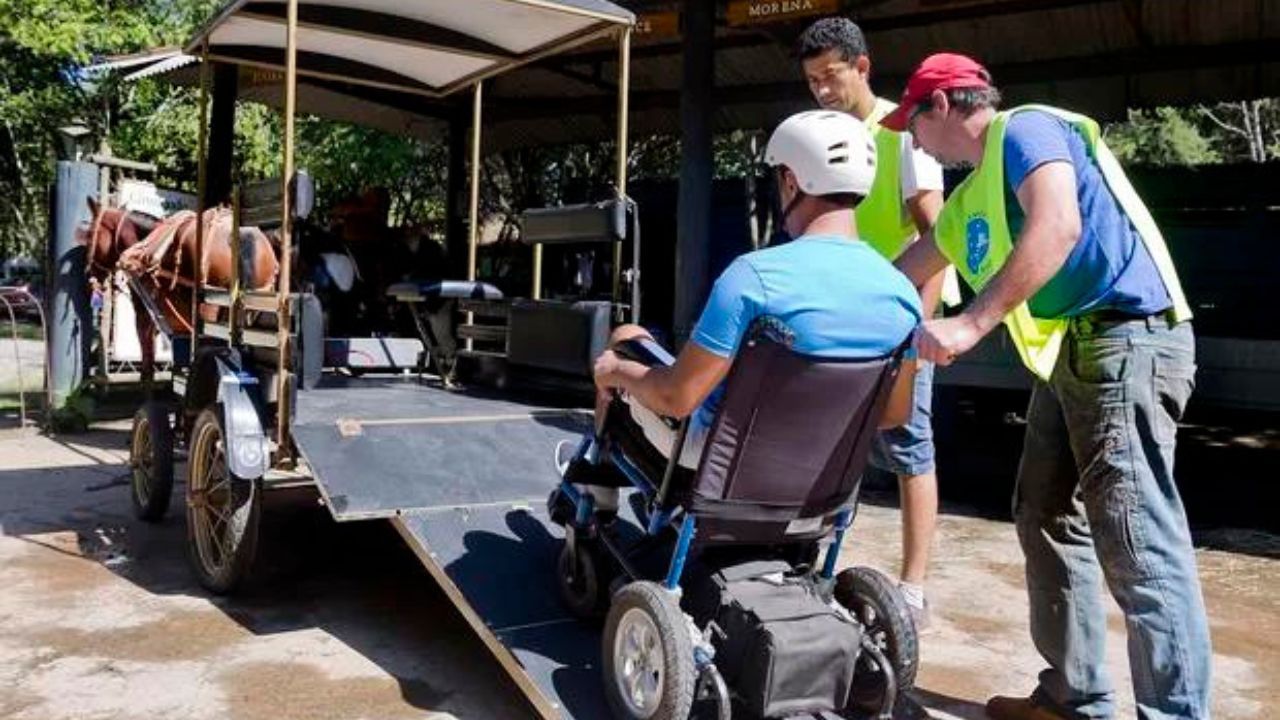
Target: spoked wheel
[[649, 671], [582, 580], [222, 510], [886, 620], [151, 462]]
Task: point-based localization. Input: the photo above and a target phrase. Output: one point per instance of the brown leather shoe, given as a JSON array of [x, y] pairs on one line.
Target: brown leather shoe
[[1010, 708]]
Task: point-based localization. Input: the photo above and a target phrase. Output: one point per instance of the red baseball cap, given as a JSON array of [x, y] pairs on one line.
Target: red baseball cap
[[941, 71]]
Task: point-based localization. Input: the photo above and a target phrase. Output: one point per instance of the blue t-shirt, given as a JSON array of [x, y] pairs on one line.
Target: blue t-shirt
[[838, 296], [1109, 267]]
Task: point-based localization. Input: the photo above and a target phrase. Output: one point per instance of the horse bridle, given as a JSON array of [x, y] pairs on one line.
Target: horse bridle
[[94, 265]]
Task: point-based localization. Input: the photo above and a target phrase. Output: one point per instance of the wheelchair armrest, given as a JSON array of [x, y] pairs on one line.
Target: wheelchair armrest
[[645, 351]]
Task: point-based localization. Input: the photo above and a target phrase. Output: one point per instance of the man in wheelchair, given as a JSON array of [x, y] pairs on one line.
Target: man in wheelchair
[[745, 452]]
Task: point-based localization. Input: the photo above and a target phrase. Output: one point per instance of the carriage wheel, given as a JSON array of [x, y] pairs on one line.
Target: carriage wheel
[[886, 621], [222, 510], [151, 462], [649, 672]]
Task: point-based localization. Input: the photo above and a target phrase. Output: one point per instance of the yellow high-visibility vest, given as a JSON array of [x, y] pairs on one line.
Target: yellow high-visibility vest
[[973, 233]]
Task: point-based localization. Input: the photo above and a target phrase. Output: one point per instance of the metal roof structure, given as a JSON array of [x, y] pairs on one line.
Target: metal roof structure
[[1096, 56], [421, 48]]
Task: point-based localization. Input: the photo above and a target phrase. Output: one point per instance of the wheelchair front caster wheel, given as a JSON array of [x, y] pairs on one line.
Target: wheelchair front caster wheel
[[560, 508], [582, 582], [649, 671]]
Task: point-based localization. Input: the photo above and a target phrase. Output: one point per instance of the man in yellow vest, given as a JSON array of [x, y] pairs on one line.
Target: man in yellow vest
[[904, 201], [1058, 246]]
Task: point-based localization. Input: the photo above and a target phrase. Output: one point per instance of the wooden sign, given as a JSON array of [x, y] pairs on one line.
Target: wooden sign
[[256, 77], [758, 12], [658, 25]]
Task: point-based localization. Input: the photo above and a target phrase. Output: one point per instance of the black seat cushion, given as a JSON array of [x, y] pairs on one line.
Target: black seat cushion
[[558, 336], [420, 290]]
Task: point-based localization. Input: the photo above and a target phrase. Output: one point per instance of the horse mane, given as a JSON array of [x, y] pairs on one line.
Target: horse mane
[[145, 222]]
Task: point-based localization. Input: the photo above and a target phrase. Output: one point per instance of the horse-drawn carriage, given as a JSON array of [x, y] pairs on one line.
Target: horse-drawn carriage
[[449, 434]]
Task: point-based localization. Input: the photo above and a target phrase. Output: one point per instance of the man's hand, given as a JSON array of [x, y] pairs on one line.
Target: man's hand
[[942, 341], [606, 370]]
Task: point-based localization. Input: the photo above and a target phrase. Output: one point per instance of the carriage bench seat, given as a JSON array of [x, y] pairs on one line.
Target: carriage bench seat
[[421, 291]]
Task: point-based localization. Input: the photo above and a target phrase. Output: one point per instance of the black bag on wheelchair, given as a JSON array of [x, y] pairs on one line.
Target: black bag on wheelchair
[[782, 649]]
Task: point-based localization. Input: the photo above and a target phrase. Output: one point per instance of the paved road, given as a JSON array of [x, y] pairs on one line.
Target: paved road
[[30, 354], [99, 616]]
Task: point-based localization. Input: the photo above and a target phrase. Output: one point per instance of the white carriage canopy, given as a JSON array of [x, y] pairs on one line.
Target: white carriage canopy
[[396, 65], [425, 48]]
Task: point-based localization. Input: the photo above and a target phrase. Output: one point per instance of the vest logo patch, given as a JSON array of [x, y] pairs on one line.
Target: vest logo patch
[[977, 235]]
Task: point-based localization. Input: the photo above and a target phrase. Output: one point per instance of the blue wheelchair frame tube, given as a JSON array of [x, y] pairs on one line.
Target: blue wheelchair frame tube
[[688, 528], [843, 520]]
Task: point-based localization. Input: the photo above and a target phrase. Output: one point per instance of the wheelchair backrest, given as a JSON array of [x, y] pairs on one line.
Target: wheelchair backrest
[[790, 441]]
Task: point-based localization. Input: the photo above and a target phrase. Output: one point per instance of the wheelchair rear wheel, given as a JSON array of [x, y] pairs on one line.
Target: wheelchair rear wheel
[[874, 599], [649, 671]]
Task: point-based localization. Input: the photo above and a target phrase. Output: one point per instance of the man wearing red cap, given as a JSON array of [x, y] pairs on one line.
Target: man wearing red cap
[[1057, 245], [903, 203]]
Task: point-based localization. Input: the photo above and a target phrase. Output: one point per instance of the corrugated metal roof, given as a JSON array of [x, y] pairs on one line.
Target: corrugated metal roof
[[171, 63]]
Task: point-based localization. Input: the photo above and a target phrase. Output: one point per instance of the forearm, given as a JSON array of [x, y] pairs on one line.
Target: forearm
[[653, 387], [921, 262], [931, 294], [1036, 258]]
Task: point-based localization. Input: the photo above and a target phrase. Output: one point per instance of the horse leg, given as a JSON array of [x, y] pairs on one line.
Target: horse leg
[[146, 328]]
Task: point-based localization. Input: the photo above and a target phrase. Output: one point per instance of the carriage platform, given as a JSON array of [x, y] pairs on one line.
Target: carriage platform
[[464, 477]]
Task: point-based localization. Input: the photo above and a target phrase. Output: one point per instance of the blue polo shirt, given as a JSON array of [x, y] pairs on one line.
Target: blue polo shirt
[[1109, 267], [837, 295]]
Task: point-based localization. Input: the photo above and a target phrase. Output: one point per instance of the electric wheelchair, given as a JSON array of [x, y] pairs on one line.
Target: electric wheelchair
[[722, 599]]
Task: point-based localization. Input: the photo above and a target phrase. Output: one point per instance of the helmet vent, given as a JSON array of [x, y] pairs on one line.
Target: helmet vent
[[842, 145], [837, 159]]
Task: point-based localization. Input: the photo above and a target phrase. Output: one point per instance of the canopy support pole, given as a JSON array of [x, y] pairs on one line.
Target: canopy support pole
[[202, 180], [624, 91], [284, 323], [473, 208]]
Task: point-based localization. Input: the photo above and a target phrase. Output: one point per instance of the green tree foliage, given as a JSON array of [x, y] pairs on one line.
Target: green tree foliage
[[1164, 136], [1229, 132], [42, 42]]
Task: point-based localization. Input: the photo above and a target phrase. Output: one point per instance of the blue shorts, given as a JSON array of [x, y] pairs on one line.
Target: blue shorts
[[908, 449]]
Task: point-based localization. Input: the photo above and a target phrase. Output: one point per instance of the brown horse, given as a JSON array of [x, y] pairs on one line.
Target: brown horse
[[161, 257]]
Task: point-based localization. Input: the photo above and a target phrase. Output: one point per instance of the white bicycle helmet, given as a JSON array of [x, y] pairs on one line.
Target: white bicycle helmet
[[829, 152]]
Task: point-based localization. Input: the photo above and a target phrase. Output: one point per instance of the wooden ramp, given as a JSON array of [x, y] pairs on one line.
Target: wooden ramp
[[464, 477]]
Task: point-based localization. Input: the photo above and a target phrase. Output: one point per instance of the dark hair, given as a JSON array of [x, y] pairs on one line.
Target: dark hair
[[831, 33], [849, 200], [966, 101]]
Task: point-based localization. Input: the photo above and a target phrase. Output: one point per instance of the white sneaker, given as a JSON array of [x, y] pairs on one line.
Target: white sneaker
[[563, 458]]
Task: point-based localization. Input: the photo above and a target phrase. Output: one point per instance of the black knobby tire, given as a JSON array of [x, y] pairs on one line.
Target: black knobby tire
[[875, 600], [151, 462], [645, 620], [583, 589], [222, 510]]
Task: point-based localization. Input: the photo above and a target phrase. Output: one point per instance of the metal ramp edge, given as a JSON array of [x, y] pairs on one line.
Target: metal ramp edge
[[552, 658]]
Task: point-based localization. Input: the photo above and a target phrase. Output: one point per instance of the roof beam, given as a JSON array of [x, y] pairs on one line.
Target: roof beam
[[1134, 62], [764, 36]]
